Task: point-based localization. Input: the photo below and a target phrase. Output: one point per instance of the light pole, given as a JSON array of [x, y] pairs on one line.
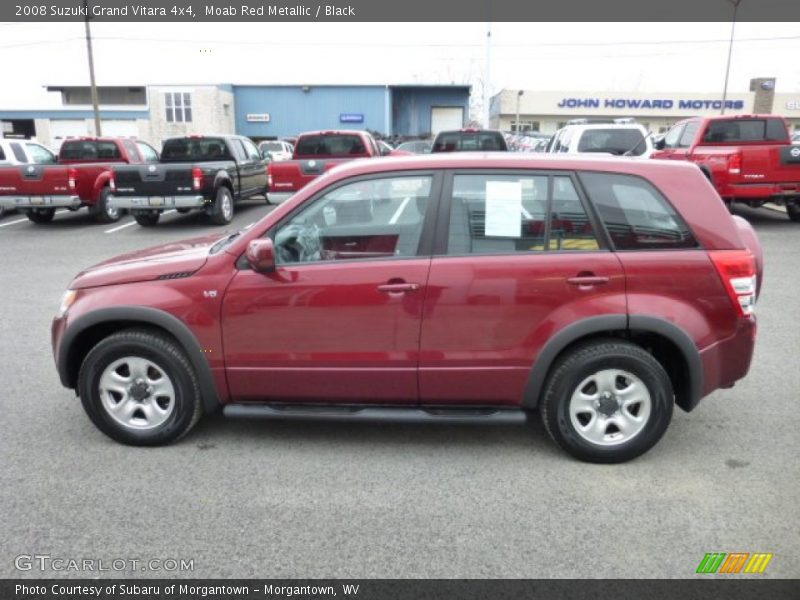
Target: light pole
[[730, 50], [98, 131], [519, 95]]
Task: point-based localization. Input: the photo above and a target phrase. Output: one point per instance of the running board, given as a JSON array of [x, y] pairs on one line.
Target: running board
[[355, 413]]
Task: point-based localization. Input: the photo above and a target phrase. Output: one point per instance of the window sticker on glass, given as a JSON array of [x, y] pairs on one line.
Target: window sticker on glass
[[503, 208]]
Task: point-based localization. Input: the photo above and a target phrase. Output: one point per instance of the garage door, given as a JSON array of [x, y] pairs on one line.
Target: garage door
[[126, 128], [446, 117], [63, 129]]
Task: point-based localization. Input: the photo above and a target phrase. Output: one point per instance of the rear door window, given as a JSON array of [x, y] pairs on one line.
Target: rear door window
[[635, 214], [509, 214]]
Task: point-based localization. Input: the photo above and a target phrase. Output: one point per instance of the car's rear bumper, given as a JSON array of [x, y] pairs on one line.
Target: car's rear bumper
[[278, 197], [157, 202], [62, 201], [727, 361], [763, 191]]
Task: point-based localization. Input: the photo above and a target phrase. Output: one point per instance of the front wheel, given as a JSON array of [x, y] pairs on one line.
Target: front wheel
[[148, 218], [793, 211], [41, 215], [221, 211], [139, 388], [607, 401]]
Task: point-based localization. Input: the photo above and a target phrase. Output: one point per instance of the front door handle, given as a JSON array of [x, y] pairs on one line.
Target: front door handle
[[588, 280], [398, 288]]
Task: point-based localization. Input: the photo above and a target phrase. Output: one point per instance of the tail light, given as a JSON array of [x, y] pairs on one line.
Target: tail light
[[72, 179], [735, 163], [197, 179], [737, 269]]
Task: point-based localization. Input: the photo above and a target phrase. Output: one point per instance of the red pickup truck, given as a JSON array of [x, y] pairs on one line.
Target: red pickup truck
[[315, 153], [87, 162], [748, 158]]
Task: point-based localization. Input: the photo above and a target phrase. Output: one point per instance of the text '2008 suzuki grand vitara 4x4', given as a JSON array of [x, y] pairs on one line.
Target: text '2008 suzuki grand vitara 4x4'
[[464, 287]]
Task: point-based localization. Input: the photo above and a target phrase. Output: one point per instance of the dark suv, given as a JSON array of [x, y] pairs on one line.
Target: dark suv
[[469, 140], [600, 292]]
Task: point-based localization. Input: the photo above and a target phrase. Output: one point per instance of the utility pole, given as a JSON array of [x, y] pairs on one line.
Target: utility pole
[[488, 81], [95, 106], [519, 95], [730, 51]]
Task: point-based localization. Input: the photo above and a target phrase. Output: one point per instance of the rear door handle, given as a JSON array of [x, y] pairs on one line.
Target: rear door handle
[[588, 280], [398, 288]]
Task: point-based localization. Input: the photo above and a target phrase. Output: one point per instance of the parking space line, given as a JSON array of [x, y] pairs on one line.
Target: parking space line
[[118, 227], [25, 220], [399, 210]]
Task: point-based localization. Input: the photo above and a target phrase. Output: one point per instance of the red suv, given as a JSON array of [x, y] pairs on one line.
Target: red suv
[[600, 291]]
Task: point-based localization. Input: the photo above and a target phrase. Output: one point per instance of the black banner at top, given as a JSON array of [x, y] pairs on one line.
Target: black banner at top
[[399, 10]]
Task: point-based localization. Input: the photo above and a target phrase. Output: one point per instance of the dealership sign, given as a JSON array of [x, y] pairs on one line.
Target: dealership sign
[[257, 117], [351, 118], [793, 105], [647, 103]]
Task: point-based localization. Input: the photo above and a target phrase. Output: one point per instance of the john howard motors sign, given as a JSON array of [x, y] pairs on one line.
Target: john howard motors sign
[[649, 103]]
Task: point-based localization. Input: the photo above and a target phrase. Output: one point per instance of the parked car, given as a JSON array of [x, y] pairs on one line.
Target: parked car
[[416, 146], [276, 149], [20, 152], [315, 153], [88, 161], [600, 292], [620, 137], [207, 173], [469, 140], [24, 186], [748, 158]]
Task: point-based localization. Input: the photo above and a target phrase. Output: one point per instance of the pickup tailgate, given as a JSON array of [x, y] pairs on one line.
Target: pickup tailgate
[[293, 175], [778, 163], [36, 180], [153, 180]]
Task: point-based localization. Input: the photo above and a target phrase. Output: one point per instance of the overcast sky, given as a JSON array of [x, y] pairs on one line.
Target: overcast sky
[[648, 57]]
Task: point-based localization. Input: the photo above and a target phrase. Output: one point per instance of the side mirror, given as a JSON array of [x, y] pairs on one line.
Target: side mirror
[[659, 144], [261, 255]]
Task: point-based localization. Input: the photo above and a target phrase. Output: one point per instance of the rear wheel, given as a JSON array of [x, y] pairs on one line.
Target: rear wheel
[[104, 211], [147, 218], [41, 215], [221, 211], [139, 388], [607, 401], [793, 211]]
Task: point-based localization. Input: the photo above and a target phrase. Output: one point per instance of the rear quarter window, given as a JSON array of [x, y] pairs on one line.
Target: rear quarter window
[[613, 141], [635, 214]]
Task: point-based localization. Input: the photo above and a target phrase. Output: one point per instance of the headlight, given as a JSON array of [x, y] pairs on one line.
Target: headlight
[[66, 301]]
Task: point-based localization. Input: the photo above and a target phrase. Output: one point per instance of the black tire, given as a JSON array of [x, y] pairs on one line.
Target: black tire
[[183, 211], [793, 211], [102, 211], [41, 215], [170, 362], [148, 218], [221, 210], [597, 359]]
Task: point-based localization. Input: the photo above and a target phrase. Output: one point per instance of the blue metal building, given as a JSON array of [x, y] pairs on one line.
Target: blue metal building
[[267, 111]]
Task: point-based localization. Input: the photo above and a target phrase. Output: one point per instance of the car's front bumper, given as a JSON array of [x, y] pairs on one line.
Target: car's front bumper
[[23, 202], [157, 202]]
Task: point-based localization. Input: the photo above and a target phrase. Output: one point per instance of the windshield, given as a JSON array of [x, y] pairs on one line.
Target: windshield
[[272, 146], [194, 149], [746, 130], [329, 145], [613, 141], [465, 141]]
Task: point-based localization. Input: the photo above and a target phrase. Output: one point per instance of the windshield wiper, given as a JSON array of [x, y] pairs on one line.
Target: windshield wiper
[[639, 143], [223, 242]]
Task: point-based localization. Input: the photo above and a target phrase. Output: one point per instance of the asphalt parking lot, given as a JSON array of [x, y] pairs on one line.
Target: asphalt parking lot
[[271, 499]]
